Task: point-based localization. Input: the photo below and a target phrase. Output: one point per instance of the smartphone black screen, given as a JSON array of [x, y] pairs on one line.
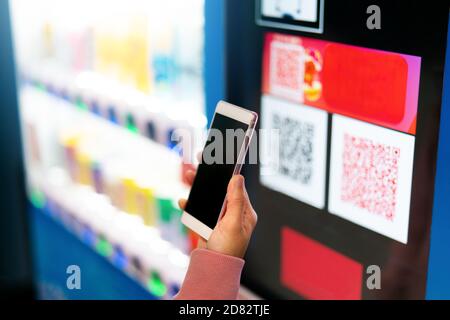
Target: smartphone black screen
[[214, 172]]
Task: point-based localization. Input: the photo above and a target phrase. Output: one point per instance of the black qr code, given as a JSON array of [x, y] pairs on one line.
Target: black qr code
[[295, 148]]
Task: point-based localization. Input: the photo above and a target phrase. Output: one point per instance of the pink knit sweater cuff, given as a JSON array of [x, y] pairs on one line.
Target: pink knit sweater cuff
[[211, 276]]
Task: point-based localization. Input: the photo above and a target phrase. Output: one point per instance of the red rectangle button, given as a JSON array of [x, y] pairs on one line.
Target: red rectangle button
[[315, 271], [365, 84]]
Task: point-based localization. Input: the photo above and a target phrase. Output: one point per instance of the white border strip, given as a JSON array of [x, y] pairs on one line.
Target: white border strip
[[286, 26]]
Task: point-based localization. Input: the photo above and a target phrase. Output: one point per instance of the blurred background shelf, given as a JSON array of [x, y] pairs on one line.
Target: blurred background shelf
[[113, 108]]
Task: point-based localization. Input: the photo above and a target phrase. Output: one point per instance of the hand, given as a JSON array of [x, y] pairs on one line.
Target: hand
[[234, 229]]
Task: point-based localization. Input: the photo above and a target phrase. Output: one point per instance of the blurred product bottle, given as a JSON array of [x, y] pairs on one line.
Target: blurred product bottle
[[122, 53]]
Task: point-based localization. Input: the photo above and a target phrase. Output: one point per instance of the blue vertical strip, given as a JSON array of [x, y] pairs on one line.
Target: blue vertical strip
[[214, 62], [438, 285], [15, 263]]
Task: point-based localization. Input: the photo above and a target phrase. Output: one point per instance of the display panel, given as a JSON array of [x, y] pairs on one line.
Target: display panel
[[367, 93], [370, 173], [293, 10], [371, 85], [291, 14], [387, 81]]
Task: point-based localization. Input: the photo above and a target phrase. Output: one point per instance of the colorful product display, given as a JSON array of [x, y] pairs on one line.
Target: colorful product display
[[106, 183], [147, 116], [128, 244], [158, 48]]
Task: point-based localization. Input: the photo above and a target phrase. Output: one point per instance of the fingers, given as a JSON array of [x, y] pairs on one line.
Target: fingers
[[250, 214], [236, 200], [201, 243], [253, 218], [182, 204], [189, 176]]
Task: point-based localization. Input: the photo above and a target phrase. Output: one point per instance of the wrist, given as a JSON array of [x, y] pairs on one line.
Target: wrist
[[228, 251], [223, 253]]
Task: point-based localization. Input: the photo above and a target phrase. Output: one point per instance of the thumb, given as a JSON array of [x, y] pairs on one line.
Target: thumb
[[235, 198]]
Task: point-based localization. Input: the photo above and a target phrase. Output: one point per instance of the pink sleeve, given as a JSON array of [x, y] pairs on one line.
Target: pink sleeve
[[211, 276]]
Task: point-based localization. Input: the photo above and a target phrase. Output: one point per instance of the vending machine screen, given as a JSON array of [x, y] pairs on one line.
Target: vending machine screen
[[344, 196]]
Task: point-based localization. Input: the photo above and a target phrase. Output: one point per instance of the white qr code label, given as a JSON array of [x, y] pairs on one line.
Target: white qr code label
[[295, 163], [370, 176]]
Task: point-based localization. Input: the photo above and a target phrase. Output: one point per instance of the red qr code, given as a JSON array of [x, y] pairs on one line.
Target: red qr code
[[287, 67], [370, 175]]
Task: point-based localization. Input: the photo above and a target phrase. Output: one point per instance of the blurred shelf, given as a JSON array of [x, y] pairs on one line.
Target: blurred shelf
[[122, 238], [157, 117]]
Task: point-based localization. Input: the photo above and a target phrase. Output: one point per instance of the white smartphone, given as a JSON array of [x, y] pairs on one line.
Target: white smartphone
[[224, 153]]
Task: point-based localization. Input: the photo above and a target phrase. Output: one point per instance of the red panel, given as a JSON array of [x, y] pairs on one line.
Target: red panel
[[315, 271], [365, 84]]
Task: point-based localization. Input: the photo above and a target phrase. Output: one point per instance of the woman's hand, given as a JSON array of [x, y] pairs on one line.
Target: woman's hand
[[234, 230]]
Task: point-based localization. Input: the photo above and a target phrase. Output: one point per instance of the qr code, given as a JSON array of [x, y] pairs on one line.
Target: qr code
[[287, 69], [295, 148], [370, 175]]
